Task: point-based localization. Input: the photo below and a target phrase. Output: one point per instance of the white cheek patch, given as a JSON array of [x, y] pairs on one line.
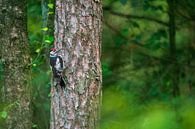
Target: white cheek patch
[[58, 65]]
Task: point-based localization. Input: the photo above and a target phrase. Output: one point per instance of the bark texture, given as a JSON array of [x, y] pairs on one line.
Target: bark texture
[[78, 37], [15, 58]]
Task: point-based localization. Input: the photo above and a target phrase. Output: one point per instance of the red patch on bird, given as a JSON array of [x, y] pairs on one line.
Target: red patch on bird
[[53, 49]]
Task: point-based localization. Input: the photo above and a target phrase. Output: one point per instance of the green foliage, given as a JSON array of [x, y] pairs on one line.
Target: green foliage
[[41, 39], [158, 119], [157, 40], [50, 13], [138, 94], [121, 110], [136, 66], [49, 39], [105, 70], [34, 126], [50, 5], [137, 3], [123, 1], [3, 114], [38, 50], [41, 100], [45, 29], [2, 61]]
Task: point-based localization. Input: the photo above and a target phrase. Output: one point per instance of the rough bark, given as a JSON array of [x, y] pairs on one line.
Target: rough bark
[[78, 37], [15, 59]]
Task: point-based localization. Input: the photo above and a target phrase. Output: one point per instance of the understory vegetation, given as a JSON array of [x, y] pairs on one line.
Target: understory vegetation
[[148, 64]]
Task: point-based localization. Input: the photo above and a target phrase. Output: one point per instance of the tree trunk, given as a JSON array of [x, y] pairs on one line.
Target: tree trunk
[[78, 39], [47, 21], [173, 54], [15, 59]]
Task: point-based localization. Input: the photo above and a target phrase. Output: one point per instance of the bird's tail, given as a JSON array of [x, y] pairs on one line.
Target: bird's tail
[[62, 82]]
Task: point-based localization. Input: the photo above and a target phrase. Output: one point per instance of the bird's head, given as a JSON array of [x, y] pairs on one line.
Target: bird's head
[[53, 51]]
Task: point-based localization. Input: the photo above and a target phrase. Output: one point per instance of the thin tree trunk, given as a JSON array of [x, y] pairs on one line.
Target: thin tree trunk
[[78, 37], [15, 57], [173, 54], [45, 10], [47, 21]]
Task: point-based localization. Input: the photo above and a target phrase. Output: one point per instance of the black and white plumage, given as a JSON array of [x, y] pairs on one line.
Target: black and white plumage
[[56, 64]]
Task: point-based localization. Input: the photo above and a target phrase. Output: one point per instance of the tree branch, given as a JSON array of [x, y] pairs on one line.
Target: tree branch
[[131, 16], [117, 32], [140, 46]]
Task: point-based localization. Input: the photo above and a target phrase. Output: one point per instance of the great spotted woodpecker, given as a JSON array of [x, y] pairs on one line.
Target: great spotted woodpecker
[[56, 64]]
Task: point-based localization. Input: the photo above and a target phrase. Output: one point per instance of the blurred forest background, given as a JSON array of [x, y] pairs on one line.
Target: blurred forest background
[[147, 59]]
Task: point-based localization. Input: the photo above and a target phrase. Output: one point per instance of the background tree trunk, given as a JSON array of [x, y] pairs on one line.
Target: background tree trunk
[[15, 59], [78, 35], [173, 53]]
